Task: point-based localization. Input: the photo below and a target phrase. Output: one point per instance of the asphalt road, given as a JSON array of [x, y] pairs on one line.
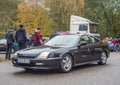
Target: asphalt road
[[94, 74]]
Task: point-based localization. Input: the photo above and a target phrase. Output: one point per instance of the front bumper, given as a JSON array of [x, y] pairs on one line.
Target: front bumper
[[52, 63]]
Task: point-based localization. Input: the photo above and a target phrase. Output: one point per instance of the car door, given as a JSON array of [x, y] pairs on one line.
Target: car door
[[84, 51], [96, 44]]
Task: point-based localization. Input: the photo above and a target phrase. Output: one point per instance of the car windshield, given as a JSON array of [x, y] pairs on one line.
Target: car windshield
[[63, 41]]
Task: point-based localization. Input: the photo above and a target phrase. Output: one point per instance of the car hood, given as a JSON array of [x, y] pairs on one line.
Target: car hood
[[37, 50]]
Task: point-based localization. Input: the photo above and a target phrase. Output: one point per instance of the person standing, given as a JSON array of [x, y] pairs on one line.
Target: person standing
[[10, 40], [21, 37], [118, 43], [114, 42], [53, 34], [37, 37]]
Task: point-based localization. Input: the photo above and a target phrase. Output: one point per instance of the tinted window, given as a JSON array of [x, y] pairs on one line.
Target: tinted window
[[83, 27], [85, 38], [94, 40]]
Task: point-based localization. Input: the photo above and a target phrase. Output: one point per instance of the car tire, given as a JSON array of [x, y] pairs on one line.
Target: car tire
[[103, 59], [66, 63]]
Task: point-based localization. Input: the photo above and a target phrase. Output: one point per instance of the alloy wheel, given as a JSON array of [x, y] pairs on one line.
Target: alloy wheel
[[103, 59], [66, 63]]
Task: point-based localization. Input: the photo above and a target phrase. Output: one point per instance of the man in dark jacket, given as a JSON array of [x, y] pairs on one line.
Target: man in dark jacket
[[21, 38], [10, 40], [53, 34], [118, 43]]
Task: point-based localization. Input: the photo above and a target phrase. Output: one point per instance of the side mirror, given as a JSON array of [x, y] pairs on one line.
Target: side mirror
[[83, 43]]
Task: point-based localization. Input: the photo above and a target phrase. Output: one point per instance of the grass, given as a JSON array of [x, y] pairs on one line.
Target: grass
[[2, 60]]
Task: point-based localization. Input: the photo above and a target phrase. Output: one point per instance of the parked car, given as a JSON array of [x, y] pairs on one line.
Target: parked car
[[3, 46], [63, 52]]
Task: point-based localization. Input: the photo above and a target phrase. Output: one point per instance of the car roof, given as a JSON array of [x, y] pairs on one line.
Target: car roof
[[76, 34]]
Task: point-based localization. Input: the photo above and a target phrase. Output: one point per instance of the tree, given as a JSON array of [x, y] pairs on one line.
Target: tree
[[61, 10], [33, 15], [104, 12], [7, 15]]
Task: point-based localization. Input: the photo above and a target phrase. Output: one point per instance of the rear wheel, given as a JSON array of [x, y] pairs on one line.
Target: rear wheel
[[66, 63], [103, 59]]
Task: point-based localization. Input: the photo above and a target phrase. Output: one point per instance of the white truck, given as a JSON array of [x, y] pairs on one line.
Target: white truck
[[82, 25]]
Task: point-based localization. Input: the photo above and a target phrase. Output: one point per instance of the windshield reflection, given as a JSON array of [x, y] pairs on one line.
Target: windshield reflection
[[63, 41]]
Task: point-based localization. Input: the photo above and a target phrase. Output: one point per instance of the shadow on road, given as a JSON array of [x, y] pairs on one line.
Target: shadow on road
[[38, 72], [54, 72]]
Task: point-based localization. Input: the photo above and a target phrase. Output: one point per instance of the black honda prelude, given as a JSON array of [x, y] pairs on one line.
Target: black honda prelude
[[63, 52]]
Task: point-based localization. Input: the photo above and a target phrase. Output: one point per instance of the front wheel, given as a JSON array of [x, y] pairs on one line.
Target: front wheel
[[66, 63], [103, 59]]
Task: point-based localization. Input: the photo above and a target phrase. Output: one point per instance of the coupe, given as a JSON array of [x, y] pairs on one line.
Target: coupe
[[63, 52]]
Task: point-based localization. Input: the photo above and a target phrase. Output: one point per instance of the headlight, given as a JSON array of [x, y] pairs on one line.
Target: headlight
[[15, 54], [43, 55]]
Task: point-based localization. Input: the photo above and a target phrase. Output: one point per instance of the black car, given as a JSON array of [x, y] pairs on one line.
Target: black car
[[63, 52]]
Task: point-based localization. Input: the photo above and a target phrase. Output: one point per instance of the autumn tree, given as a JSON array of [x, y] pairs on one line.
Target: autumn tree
[[34, 15], [7, 15]]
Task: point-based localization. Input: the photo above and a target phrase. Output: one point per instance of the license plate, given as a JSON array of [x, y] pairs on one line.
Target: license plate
[[26, 61]]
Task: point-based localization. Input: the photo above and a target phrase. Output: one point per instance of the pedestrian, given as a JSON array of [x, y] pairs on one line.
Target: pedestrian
[[29, 40], [118, 44], [114, 42], [37, 37], [53, 34], [21, 37], [10, 40]]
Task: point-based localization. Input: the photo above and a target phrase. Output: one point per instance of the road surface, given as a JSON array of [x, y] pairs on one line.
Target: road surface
[[94, 74]]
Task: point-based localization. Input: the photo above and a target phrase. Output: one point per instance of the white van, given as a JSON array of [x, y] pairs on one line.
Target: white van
[[83, 26]]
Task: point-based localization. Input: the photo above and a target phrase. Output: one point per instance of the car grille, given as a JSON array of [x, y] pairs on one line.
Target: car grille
[[27, 57], [31, 64]]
